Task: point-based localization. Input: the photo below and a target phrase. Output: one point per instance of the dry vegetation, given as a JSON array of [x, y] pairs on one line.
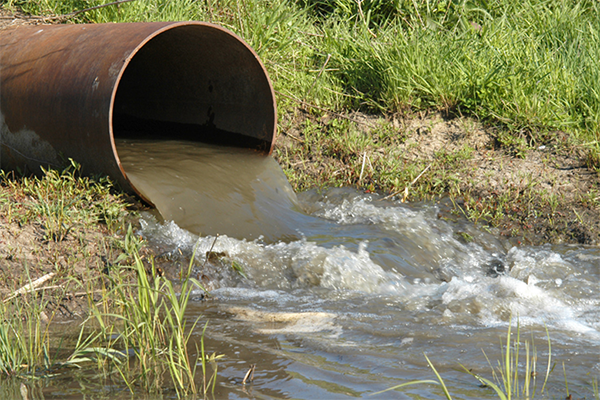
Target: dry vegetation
[[535, 195]]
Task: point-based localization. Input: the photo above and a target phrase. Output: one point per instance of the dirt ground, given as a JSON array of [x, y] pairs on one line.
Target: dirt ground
[[8, 18], [546, 170], [556, 196]]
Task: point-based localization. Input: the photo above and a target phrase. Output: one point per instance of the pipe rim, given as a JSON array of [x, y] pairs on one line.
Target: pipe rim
[[143, 43]]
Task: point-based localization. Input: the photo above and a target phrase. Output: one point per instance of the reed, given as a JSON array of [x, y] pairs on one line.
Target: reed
[[28, 348], [150, 330], [138, 333], [57, 212], [138, 330], [510, 380]]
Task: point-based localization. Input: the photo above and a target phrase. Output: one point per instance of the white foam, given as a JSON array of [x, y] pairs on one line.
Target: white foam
[[500, 298], [538, 289]]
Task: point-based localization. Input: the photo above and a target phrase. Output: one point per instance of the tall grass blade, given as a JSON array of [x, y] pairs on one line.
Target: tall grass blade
[[418, 382], [486, 382], [441, 381], [550, 367]]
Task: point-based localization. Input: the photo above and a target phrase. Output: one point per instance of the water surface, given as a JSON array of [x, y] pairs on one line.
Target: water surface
[[343, 293], [209, 189]]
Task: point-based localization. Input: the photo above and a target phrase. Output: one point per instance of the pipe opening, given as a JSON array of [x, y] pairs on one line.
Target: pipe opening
[[198, 82]]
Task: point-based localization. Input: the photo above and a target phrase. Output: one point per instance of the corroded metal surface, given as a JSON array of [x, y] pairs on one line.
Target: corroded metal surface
[[67, 90]]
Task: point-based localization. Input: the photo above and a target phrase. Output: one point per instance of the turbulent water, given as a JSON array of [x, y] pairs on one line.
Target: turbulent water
[[348, 292]]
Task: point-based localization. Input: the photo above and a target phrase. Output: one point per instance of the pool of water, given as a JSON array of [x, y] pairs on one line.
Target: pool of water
[[354, 308]]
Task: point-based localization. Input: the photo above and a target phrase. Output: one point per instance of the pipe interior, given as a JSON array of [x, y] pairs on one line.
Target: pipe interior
[[196, 82]]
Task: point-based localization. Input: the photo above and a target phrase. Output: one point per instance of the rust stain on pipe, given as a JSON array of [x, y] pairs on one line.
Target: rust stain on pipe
[[69, 90]]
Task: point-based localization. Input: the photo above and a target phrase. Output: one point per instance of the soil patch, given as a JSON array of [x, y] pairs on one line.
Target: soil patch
[[536, 194], [9, 18]]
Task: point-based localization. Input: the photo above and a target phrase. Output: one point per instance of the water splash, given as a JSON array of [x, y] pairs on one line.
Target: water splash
[[361, 287]]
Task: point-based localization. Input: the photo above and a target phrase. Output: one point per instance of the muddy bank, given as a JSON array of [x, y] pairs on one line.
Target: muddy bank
[[534, 193]]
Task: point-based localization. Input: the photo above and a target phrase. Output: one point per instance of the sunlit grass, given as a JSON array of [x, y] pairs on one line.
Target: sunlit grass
[[137, 334], [137, 327], [528, 67], [60, 201], [148, 326]]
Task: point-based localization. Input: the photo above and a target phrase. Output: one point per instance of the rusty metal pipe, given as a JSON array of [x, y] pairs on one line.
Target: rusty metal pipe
[[66, 91]]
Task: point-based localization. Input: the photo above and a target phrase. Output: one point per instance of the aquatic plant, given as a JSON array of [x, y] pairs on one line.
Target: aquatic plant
[[509, 379], [151, 326], [28, 347], [507, 374], [138, 329]]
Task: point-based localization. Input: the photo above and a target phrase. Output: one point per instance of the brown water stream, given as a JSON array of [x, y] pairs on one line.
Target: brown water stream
[[344, 293], [209, 189]]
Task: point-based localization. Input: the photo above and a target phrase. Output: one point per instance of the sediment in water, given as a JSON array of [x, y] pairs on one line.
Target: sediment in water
[[209, 189]]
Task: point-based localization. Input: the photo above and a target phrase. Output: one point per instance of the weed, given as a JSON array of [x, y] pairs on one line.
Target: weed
[[12, 353], [509, 379], [27, 349], [152, 326], [61, 201], [145, 320]]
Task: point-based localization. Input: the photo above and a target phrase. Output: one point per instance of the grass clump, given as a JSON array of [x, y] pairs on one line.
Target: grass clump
[[59, 223], [29, 346], [510, 380], [136, 333], [58, 232], [60, 201], [71, 258], [337, 152], [149, 330]]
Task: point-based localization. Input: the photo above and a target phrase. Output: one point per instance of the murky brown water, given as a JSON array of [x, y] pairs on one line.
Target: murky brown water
[[349, 292], [210, 189]]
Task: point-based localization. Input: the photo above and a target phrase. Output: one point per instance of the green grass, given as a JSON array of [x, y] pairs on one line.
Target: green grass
[[29, 346], [143, 322], [530, 67], [148, 321], [56, 224], [136, 335], [60, 201]]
